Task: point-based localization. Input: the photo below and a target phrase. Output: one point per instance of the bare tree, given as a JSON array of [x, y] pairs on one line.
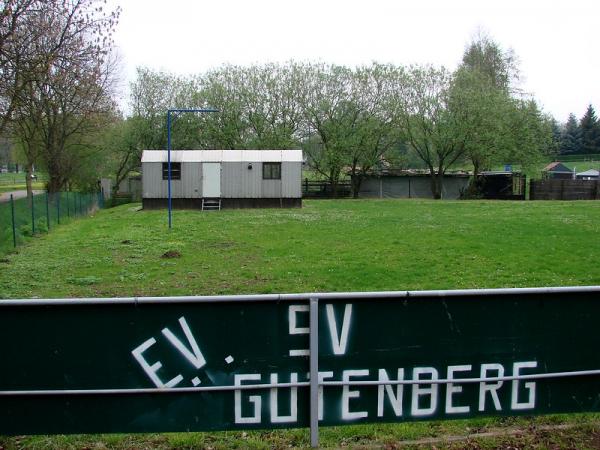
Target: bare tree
[[69, 95]]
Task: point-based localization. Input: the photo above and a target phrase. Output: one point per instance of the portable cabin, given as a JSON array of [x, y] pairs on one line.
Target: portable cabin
[[215, 179]]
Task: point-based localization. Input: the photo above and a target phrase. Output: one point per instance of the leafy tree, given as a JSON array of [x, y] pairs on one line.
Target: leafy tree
[[557, 131], [495, 65], [499, 124], [530, 136], [122, 144], [432, 120], [377, 137], [590, 132], [486, 110], [257, 105], [485, 81], [331, 114], [152, 94], [570, 142]]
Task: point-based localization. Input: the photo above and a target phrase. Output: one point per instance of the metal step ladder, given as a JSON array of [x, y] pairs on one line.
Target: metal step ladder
[[211, 204]]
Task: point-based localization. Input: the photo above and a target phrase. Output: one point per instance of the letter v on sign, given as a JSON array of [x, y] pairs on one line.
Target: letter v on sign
[[339, 341], [195, 355]]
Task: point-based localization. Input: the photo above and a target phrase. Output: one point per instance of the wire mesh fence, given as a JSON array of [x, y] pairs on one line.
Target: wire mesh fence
[[23, 218]]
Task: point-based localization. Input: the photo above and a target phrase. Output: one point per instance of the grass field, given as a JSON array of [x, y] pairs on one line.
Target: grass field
[[325, 246]]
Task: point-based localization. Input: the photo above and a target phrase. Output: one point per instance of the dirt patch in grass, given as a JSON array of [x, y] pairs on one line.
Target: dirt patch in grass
[[171, 254]]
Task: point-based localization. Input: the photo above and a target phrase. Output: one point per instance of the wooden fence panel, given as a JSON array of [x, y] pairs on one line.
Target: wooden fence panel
[[564, 189]]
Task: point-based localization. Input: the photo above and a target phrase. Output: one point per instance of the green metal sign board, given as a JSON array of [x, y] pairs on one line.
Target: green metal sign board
[[224, 363]]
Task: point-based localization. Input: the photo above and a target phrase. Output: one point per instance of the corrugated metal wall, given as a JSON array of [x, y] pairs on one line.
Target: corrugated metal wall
[[237, 181], [291, 177], [410, 187], [190, 185]]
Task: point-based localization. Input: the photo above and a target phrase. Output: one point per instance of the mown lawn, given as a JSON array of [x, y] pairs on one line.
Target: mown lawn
[[325, 246]]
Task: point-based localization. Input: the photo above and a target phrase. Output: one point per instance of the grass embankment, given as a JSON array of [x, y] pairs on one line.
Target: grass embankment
[[325, 246]]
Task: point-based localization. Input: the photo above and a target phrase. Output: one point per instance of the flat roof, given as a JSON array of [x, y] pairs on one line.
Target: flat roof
[[150, 156], [588, 173]]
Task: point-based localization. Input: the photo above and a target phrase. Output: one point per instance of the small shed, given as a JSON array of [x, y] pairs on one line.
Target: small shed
[[227, 178], [558, 170], [501, 185], [591, 174]]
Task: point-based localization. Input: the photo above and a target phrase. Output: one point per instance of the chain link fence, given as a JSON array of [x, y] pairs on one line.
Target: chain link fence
[[23, 218]]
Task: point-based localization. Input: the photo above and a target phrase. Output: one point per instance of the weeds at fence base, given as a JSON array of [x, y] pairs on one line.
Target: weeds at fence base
[[24, 218]]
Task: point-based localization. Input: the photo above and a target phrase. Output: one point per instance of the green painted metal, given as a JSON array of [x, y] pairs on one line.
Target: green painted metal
[[47, 211], [184, 344], [12, 215]]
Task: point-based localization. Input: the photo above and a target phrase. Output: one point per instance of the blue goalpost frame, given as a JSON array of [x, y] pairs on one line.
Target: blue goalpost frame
[[169, 112]]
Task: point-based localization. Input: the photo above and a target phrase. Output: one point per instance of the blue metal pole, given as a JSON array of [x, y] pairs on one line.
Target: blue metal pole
[[169, 162], [203, 110]]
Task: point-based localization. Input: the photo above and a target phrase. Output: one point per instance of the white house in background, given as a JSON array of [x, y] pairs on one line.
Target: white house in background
[[215, 179], [591, 174]]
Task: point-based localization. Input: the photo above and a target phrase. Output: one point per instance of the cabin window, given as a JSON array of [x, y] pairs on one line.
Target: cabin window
[[272, 171], [175, 171]]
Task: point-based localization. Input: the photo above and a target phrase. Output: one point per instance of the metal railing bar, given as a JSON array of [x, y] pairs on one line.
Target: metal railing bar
[[533, 376], [295, 297], [184, 390], [423, 382], [503, 291]]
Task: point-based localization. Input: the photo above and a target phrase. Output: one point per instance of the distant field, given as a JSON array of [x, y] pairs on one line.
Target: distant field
[[326, 246], [16, 181]]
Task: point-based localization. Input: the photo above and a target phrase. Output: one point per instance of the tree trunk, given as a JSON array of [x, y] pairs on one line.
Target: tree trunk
[[356, 183], [114, 190], [436, 184], [55, 183], [473, 188], [334, 188]]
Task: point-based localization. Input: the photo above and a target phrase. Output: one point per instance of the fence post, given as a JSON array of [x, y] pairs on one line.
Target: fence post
[[32, 215], [58, 208], [12, 209], [314, 371], [68, 212], [47, 211]]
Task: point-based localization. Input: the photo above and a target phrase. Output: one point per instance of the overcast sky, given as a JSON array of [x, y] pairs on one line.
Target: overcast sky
[[557, 43]]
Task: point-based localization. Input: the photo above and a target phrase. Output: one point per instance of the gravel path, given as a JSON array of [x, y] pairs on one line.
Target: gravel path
[[5, 196]]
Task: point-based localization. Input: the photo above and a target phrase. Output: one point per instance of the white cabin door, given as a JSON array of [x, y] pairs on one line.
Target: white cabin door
[[211, 180]]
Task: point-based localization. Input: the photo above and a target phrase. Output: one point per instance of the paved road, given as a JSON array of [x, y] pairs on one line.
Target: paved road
[[5, 196]]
